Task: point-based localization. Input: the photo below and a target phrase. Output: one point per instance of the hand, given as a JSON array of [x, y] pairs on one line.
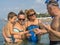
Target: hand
[[26, 32], [47, 27], [37, 31], [8, 40], [28, 35]]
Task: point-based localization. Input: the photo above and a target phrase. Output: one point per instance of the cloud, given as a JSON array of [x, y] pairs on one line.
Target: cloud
[[39, 6]]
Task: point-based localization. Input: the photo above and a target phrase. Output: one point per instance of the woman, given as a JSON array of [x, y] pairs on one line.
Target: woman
[[20, 27], [34, 22]]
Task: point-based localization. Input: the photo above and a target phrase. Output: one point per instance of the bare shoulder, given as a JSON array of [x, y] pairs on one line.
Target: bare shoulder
[[10, 25], [16, 24], [26, 23], [5, 27]]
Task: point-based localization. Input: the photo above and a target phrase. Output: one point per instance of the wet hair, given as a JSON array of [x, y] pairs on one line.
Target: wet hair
[[28, 12], [21, 13], [11, 15]]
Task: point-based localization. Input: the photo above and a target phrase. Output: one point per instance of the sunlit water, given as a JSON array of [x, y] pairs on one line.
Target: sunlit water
[[44, 39]]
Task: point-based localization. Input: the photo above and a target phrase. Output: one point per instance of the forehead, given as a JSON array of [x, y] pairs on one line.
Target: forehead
[[14, 17], [31, 12], [21, 16]]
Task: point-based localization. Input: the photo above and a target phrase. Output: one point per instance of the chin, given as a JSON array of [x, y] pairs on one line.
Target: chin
[[34, 18], [52, 15]]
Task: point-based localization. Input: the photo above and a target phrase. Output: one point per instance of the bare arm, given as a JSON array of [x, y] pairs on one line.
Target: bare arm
[[11, 30], [49, 29], [3, 32], [40, 31], [55, 33], [4, 35], [42, 26]]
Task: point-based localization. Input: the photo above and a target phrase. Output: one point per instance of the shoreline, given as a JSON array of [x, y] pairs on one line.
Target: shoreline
[[45, 19]]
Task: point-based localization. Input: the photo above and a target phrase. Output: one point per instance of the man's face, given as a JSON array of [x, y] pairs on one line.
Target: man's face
[[51, 10]]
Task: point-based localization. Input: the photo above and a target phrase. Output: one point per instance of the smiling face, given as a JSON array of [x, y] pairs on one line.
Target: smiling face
[[52, 7], [32, 15], [52, 10], [21, 18]]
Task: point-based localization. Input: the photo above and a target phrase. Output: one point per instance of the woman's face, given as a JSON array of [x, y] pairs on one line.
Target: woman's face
[[21, 18], [32, 15]]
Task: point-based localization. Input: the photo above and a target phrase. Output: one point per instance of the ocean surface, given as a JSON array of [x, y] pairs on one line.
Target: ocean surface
[[2, 23], [44, 40]]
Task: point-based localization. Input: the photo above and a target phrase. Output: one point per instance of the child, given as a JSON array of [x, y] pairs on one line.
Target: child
[[9, 26]]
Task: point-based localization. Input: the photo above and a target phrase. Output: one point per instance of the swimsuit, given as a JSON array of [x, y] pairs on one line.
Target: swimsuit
[[33, 37], [17, 30], [54, 42], [12, 37]]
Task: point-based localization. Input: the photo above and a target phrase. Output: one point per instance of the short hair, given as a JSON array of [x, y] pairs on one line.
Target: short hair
[[21, 12], [53, 3], [11, 15]]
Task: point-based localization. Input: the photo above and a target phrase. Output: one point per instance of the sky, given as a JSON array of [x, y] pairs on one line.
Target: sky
[[7, 6]]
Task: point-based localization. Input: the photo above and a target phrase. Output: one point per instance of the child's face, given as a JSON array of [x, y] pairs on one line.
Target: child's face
[[13, 19]]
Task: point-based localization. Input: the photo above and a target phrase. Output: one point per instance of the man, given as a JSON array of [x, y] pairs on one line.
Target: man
[[54, 10], [54, 29]]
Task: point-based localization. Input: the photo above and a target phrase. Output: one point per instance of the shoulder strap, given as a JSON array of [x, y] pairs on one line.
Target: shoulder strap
[[39, 24]]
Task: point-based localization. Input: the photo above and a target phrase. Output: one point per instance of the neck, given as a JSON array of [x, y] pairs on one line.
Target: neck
[[20, 23], [32, 20], [11, 23]]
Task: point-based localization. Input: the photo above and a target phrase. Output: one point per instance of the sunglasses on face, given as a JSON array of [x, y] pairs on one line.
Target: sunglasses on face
[[22, 19], [31, 14]]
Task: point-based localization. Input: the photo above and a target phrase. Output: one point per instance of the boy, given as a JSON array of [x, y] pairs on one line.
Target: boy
[[9, 26]]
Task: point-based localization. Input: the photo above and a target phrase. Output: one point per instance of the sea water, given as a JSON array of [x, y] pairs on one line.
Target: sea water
[[44, 39]]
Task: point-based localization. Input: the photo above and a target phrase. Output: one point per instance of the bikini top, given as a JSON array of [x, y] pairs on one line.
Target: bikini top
[[17, 30]]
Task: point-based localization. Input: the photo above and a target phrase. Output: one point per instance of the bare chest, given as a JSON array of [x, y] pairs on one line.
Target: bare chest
[[55, 25]]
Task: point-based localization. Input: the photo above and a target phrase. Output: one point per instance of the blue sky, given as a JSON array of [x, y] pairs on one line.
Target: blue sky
[[7, 6]]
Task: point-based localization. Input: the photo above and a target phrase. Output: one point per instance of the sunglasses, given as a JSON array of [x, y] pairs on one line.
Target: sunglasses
[[31, 14], [21, 19]]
